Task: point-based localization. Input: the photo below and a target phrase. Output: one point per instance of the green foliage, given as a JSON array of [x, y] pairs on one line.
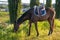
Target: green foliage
[[34, 2], [57, 8], [2, 14], [4, 17], [48, 3], [19, 8]]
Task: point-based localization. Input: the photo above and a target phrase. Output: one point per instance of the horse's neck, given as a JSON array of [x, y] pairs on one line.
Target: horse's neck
[[22, 18]]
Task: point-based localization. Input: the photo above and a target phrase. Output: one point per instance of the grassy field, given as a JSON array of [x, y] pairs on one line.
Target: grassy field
[[43, 27]]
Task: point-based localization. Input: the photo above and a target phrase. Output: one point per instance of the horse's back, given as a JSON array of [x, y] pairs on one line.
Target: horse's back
[[50, 13]]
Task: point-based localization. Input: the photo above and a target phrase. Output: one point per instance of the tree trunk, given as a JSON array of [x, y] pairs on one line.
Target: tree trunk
[[48, 3], [13, 6]]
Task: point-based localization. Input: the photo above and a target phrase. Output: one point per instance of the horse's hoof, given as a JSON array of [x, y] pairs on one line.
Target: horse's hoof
[[38, 34], [28, 35], [48, 34]]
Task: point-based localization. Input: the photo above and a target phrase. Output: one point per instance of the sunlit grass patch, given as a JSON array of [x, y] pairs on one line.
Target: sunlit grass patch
[[6, 30], [4, 17], [57, 23], [23, 32]]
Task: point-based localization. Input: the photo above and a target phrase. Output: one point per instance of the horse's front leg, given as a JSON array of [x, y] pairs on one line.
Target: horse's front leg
[[51, 22], [29, 28], [36, 28]]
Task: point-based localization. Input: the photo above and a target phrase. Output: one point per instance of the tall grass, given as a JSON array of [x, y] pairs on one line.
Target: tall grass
[[6, 30]]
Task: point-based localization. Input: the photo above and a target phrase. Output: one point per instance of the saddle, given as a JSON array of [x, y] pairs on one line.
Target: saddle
[[39, 11]]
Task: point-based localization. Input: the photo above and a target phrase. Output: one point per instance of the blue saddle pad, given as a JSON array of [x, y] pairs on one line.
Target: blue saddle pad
[[43, 12], [36, 12]]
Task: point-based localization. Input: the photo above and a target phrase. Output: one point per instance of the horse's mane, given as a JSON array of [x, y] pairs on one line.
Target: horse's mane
[[27, 12], [23, 15]]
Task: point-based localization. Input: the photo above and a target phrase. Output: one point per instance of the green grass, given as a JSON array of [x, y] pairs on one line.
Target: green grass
[[43, 27], [4, 17]]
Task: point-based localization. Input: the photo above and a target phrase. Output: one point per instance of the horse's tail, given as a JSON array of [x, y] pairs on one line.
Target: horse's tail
[[53, 12]]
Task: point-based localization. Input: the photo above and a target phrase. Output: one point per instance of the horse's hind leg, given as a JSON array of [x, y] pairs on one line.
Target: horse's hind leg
[[36, 28], [51, 22]]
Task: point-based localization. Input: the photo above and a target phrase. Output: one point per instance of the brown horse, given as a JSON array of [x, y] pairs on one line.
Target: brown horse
[[29, 15]]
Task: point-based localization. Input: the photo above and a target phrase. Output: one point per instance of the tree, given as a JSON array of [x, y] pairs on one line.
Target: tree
[[48, 3], [34, 2], [13, 6], [57, 8], [19, 8]]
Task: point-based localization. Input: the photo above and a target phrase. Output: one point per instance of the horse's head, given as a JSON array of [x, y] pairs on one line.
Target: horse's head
[[16, 26], [20, 20]]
